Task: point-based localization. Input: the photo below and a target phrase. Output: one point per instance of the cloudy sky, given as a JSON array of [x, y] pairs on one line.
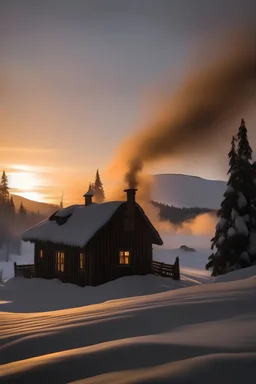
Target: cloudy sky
[[80, 76]]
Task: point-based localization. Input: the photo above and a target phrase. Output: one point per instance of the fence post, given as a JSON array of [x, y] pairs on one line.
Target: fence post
[[15, 273], [161, 269], [176, 267]]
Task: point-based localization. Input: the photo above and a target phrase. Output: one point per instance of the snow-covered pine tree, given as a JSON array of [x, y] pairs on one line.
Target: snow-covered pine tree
[[218, 260], [246, 180], [244, 152], [253, 201], [232, 242], [98, 190]]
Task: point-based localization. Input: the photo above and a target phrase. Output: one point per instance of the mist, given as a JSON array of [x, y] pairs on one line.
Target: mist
[[202, 225]]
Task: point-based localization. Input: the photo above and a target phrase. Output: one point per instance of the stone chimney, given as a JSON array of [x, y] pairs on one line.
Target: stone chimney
[[88, 196]]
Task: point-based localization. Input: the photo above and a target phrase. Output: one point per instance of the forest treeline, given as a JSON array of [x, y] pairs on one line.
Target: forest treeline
[[177, 215]]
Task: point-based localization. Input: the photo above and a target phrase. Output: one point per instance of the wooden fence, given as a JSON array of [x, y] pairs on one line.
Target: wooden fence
[[167, 270], [25, 270], [158, 268]]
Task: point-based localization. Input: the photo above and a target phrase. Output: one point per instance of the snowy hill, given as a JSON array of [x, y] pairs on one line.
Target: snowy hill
[[188, 191], [34, 206], [200, 334], [137, 329]]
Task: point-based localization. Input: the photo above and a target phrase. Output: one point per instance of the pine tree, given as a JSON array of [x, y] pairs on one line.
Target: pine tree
[[253, 201], [98, 190], [221, 242], [245, 168], [11, 207], [61, 202], [22, 210], [5, 214], [4, 189], [232, 240]]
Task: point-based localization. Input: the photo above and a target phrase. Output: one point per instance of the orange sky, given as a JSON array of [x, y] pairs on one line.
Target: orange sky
[[76, 81]]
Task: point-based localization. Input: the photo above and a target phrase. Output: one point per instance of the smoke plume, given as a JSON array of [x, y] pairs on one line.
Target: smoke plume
[[196, 113]]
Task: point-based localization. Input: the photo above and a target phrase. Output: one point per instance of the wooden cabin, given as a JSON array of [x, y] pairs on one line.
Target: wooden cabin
[[92, 244]]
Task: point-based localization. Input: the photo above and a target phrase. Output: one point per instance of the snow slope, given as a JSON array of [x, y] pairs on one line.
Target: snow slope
[[188, 191], [138, 329], [200, 334]]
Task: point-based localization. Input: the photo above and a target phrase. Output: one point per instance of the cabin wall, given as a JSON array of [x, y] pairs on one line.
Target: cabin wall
[[102, 253], [105, 246], [46, 267]]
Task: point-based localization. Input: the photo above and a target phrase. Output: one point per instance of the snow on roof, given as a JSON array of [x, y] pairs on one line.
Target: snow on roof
[[81, 224], [89, 192]]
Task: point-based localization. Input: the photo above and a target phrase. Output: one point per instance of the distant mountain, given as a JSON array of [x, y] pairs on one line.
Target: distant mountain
[[34, 206], [178, 190], [188, 191]]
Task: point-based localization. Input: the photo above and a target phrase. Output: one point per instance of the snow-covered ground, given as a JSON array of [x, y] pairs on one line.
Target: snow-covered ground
[[192, 272], [26, 257], [204, 333], [138, 329]]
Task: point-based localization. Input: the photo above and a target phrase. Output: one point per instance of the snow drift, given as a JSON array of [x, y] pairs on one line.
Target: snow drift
[[186, 335]]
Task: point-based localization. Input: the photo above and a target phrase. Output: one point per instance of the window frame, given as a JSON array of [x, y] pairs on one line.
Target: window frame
[[81, 268], [124, 256], [60, 261]]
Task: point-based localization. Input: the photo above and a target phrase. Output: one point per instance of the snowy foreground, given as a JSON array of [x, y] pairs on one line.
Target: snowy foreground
[[144, 329]]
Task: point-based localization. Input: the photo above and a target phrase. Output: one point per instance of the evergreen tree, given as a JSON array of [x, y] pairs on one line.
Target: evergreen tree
[[98, 190], [11, 208], [232, 240], [6, 214], [22, 210], [245, 169], [4, 190], [253, 201], [61, 203]]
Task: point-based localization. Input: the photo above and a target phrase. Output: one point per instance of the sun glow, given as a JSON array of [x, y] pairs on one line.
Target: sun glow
[[35, 196], [30, 182], [24, 180]]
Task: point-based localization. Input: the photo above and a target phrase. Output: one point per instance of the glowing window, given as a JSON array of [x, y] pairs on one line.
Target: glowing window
[[124, 257], [41, 254], [81, 260], [60, 258]]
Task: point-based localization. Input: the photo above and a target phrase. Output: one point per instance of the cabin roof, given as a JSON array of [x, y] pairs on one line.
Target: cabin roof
[[77, 224], [74, 225]]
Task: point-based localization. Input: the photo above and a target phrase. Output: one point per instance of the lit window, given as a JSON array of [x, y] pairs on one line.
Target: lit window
[[81, 260], [60, 261], [41, 254], [124, 257]]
